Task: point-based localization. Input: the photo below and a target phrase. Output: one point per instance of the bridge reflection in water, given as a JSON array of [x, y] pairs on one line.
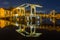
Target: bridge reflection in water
[[10, 33], [43, 26]]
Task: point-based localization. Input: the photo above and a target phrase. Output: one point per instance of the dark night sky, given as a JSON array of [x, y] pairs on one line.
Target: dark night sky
[[47, 4]]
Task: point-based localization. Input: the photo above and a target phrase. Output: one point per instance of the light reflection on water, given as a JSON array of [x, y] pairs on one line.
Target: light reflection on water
[[3, 23]]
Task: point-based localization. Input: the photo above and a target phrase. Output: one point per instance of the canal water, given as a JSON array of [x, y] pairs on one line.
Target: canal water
[[8, 32]]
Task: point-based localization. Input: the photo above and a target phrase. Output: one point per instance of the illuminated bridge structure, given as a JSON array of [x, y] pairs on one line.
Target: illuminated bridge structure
[[25, 19]]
